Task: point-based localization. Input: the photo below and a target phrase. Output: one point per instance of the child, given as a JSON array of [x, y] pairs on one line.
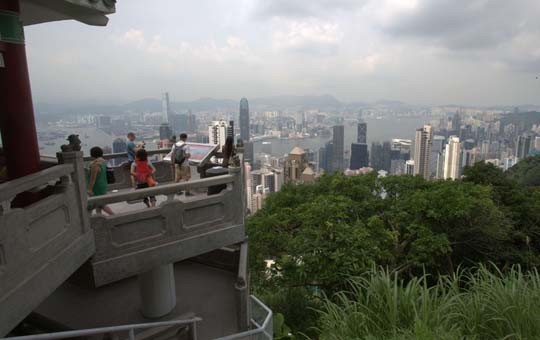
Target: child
[[142, 172], [97, 179]]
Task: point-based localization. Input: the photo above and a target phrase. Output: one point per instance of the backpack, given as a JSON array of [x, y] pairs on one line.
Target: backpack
[[142, 171], [179, 154]]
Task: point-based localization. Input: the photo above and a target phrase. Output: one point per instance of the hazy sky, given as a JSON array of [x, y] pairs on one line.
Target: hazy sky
[[418, 51]]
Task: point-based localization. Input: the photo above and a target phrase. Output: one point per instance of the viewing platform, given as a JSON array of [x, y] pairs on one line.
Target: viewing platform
[[63, 261]]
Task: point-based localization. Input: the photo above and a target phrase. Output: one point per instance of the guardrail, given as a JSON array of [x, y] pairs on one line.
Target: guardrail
[[114, 330], [41, 244], [132, 242], [261, 319]]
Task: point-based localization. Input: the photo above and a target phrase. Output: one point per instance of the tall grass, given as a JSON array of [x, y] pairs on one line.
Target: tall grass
[[476, 305]]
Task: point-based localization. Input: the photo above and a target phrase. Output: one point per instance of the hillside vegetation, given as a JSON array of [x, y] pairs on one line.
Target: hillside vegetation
[[323, 234]]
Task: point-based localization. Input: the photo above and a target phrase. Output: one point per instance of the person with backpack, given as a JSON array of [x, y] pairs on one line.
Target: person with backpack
[[180, 154], [97, 177], [142, 172]]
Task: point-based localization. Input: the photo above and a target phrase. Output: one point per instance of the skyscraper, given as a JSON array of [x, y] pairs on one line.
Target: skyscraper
[[230, 129], [452, 158], [166, 108], [119, 146], [400, 153], [422, 151], [523, 146], [244, 120], [359, 156], [338, 148], [362, 133]]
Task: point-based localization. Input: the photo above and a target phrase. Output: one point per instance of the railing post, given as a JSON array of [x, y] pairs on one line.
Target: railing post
[[78, 179]]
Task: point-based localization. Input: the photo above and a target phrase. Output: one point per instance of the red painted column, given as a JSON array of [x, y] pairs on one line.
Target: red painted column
[[17, 123]]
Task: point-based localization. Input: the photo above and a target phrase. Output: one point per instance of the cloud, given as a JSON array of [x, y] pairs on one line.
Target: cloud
[[310, 36], [472, 24], [303, 8]]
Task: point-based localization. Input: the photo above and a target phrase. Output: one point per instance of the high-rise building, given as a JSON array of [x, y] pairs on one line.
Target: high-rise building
[[409, 167], [422, 151], [244, 120], [165, 132], [452, 158], [326, 154], [217, 133], [192, 122], [523, 146], [359, 156], [166, 108], [381, 155], [399, 154], [436, 158], [119, 146], [362, 133], [338, 148], [537, 143], [178, 123]]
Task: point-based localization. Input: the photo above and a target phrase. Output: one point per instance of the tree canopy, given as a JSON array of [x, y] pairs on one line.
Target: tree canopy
[[321, 234]]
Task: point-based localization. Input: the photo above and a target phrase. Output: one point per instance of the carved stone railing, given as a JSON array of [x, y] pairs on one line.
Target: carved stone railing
[[42, 244], [130, 243]]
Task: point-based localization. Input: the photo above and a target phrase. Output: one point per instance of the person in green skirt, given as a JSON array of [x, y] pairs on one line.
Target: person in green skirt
[[97, 179]]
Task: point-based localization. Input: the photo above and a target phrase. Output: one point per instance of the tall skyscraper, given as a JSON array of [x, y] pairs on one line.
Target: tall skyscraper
[[338, 148], [452, 158], [244, 120], [362, 133], [166, 108], [119, 146], [437, 156], [359, 156], [422, 151], [381, 155], [523, 146]]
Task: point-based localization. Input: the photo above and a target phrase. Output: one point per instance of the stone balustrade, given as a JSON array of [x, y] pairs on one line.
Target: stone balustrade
[[42, 244], [177, 229]]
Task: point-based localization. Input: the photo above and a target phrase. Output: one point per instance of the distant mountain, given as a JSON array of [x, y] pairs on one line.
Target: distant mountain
[[202, 104], [296, 102]]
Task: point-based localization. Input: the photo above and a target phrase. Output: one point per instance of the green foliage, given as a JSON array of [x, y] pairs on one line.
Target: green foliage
[[526, 172], [321, 234], [468, 305]]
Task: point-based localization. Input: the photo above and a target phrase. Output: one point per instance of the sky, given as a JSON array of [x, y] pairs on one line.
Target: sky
[[470, 52]]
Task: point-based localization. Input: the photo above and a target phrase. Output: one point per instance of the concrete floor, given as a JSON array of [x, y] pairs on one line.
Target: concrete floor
[[206, 291]]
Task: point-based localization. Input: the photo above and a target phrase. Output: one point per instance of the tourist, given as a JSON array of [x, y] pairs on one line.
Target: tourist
[[228, 151], [142, 173], [97, 177], [131, 149], [180, 154]]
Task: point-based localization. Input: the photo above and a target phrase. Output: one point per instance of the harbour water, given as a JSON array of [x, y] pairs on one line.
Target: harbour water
[[378, 130]]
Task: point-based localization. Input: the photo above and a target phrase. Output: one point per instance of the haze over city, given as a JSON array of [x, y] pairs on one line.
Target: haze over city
[[417, 51]]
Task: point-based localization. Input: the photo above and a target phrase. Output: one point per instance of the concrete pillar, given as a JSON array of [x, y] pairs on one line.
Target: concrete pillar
[[158, 291]]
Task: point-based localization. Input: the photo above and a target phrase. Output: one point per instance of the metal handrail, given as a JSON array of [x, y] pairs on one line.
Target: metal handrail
[[261, 329], [112, 329]]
